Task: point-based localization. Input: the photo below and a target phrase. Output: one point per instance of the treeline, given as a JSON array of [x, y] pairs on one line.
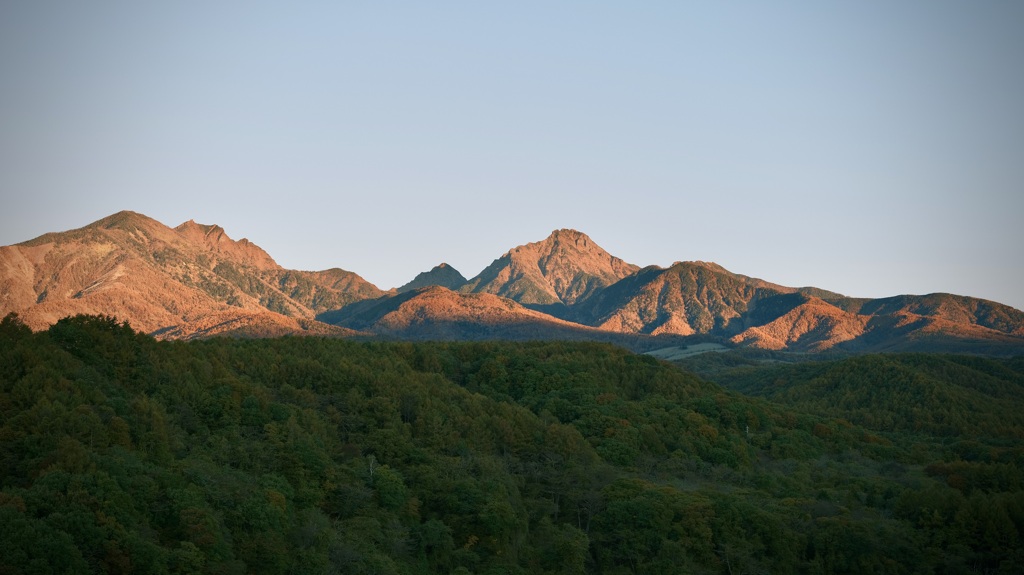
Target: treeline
[[935, 394], [119, 453]]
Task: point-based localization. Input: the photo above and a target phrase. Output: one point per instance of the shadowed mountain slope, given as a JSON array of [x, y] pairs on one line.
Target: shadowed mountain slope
[[699, 298], [956, 309], [688, 298], [442, 275]]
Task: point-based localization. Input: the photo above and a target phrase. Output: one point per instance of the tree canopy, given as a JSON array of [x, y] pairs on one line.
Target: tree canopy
[[119, 453]]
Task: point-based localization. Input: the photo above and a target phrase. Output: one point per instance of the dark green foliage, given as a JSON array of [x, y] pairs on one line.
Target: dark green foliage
[[301, 455], [943, 395]]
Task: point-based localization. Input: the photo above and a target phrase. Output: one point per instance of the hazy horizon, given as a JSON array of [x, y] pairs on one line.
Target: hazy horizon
[[871, 150]]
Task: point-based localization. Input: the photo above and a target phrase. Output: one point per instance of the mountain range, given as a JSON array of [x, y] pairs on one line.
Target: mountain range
[[195, 281]]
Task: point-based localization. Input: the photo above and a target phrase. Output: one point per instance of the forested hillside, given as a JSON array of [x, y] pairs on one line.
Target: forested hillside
[[119, 453], [941, 395]]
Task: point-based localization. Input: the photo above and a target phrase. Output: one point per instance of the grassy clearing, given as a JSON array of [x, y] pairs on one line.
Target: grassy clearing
[[679, 352]]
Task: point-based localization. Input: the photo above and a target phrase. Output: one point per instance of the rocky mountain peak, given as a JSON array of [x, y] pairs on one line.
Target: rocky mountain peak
[[124, 225], [712, 266], [122, 219], [569, 235], [440, 275], [563, 268], [214, 238]]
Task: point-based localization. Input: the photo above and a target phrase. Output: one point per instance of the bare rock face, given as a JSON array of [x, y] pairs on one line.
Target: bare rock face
[[156, 277], [562, 269], [217, 242]]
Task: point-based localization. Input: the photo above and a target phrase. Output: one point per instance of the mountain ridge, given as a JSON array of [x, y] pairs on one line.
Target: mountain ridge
[[195, 281], [165, 280]]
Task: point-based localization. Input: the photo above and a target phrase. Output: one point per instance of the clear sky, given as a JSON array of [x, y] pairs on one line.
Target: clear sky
[[869, 148]]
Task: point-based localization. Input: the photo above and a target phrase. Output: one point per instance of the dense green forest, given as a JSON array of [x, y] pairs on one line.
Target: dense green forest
[[119, 453], [937, 394]]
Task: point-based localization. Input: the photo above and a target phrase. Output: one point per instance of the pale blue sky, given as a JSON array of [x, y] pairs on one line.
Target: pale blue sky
[[869, 148]]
